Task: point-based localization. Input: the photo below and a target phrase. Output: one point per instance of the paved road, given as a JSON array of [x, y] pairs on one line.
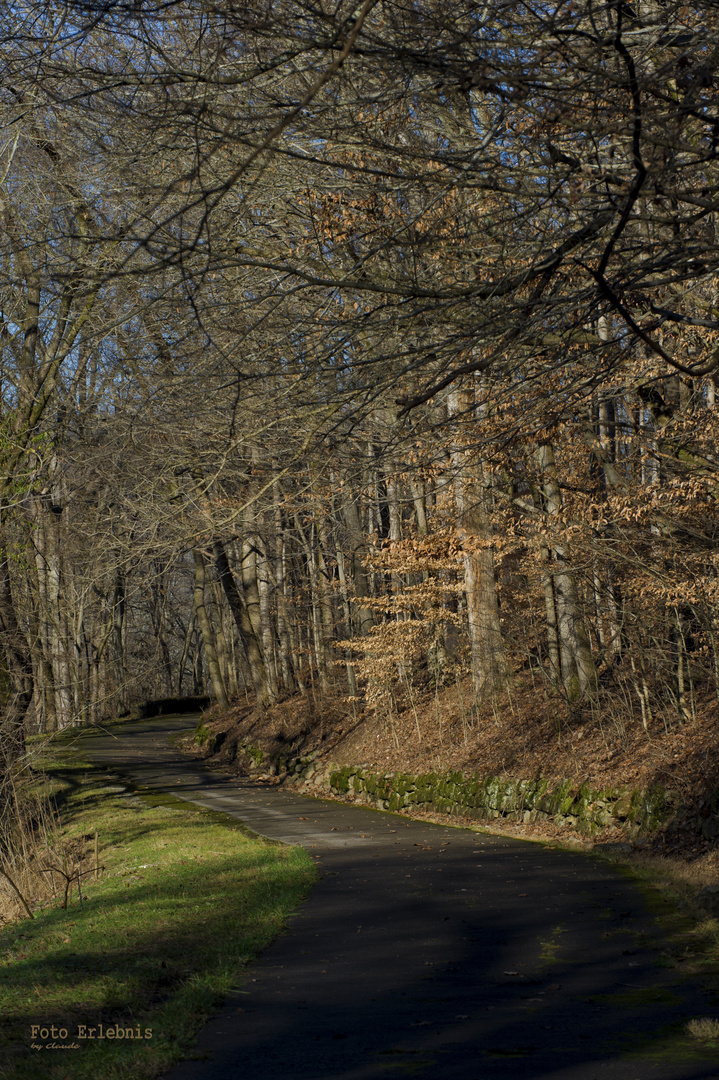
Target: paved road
[[432, 952]]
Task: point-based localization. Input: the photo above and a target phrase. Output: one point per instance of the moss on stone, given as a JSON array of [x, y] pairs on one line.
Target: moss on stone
[[655, 807], [484, 798], [253, 753], [202, 733], [340, 779]]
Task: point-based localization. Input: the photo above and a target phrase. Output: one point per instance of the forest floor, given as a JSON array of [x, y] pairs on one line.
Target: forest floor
[[522, 734]]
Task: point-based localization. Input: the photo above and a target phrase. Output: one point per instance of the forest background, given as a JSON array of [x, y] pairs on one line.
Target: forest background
[[363, 354]]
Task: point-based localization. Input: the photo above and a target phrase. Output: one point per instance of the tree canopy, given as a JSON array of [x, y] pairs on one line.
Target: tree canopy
[[329, 329]]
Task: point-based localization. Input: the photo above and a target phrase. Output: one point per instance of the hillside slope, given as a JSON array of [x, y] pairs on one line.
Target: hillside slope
[[521, 735]]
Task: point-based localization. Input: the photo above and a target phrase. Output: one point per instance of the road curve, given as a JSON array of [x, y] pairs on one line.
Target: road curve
[[430, 951]]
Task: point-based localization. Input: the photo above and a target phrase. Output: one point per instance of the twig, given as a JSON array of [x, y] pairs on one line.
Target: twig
[[69, 878], [20, 896]]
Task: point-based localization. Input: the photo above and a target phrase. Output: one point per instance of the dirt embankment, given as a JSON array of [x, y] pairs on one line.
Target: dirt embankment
[[522, 735]]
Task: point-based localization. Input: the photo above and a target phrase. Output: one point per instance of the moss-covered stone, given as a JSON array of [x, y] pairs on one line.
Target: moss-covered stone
[[202, 734], [253, 753], [340, 779], [623, 806], [493, 791], [583, 804], [653, 807], [487, 798], [558, 800]]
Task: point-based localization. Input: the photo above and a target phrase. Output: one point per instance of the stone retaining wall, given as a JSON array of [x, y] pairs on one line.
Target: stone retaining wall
[[566, 803]]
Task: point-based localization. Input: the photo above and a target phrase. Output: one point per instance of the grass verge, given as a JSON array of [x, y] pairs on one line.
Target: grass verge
[[182, 903], [672, 891]]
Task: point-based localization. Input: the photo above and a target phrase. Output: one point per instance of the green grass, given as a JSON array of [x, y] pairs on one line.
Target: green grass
[[184, 901], [705, 1030], [671, 890]]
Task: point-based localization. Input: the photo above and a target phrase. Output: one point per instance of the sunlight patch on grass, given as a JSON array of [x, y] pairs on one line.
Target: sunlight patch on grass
[[182, 904], [705, 1030]]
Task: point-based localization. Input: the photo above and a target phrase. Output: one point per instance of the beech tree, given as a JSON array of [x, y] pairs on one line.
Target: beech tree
[[365, 325]]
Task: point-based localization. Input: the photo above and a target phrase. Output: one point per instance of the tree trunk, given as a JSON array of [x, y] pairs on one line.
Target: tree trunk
[[19, 699], [473, 500], [118, 640], [550, 605], [249, 637], [218, 685], [283, 632], [577, 666], [358, 571], [324, 582]]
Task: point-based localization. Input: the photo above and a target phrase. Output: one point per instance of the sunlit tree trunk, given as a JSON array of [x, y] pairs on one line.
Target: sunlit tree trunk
[[577, 666], [364, 615], [283, 631], [473, 501]]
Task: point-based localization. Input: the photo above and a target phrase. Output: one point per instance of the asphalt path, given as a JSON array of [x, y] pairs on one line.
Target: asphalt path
[[431, 951]]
